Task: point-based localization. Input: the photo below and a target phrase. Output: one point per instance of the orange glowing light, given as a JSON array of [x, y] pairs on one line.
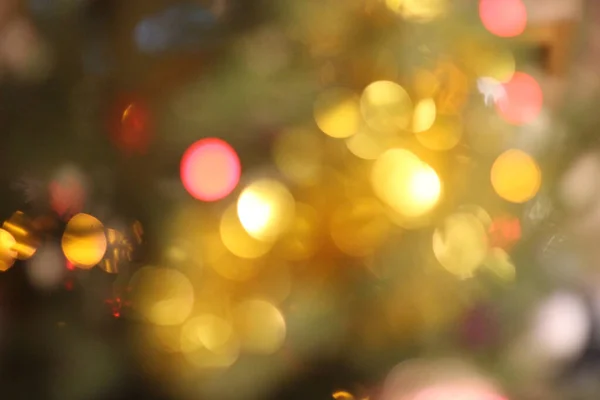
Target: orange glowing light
[[210, 169], [503, 18], [523, 99]]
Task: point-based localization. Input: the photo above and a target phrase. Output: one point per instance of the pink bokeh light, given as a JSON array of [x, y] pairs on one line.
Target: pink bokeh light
[[523, 99], [210, 169], [503, 18]]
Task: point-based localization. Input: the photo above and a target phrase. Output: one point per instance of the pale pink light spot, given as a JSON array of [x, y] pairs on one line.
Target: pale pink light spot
[[504, 18]]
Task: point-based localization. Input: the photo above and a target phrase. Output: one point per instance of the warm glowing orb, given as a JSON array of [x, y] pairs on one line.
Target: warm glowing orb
[[84, 241], [516, 177], [210, 169], [504, 18]]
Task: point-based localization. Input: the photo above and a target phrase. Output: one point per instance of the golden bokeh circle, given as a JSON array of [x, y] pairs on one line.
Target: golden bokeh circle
[[301, 240], [386, 107], [424, 115], [237, 240], [337, 112], [163, 296], [516, 176], [84, 241], [260, 326], [7, 252], [405, 183], [265, 209], [460, 245]]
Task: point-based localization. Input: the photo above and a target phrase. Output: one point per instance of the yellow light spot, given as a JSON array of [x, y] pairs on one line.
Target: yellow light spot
[[127, 112], [386, 106], [405, 183], [299, 155], [208, 341], [444, 135], [7, 253], [460, 244], [418, 10], [482, 215], [342, 395], [357, 228], [499, 263], [516, 177], [367, 144], [84, 242], [337, 113], [260, 325], [265, 209], [163, 296], [20, 227], [424, 115], [236, 239]]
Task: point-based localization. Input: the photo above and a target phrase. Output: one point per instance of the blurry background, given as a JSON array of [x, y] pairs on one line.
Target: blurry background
[[242, 199]]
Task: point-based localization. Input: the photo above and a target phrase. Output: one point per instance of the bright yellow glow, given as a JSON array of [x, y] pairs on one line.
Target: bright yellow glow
[[260, 325], [357, 228], [424, 115], [516, 177], [84, 241], [20, 227], [386, 107], [417, 10], [236, 239], [337, 113], [405, 183], [460, 244], [208, 341], [7, 252], [443, 135], [299, 154], [265, 209], [163, 296], [367, 144], [342, 395]]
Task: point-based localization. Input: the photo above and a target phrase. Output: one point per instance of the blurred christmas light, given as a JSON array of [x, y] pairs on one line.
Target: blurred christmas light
[[504, 18], [337, 112], [163, 296], [424, 115], [505, 232], [68, 191], [22, 230], [260, 326], [342, 395], [405, 183], [237, 240], [523, 99], [500, 264], [302, 240], [368, 145], [84, 242], [7, 254], [134, 134], [416, 10], [299, 155], [515, 176], [265, 209], [460, 244], [210, 169], [208, 341], [496, 64], [386, 107]]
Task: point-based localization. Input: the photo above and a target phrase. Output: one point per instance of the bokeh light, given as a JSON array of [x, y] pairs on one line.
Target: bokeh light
[[504, 18], [499, 263], [161, 295], [418, 10], [23, 231], [46, 269], [260, 326], [460, 244], [237, 240], [299, 155], [386, 107], [516, 177], [302, 240], [209, 341], [497, 64], [210, 169], [7, 253], [84, 242], [367, 144], [405, 183], [337, 113], [265, 209], [424, 115], [522, 99], [68, 191]]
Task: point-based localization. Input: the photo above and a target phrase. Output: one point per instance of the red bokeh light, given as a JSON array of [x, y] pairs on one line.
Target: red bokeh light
[[523, 99], [504, 18], [131, 129], [505, 232], [210, 169]]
